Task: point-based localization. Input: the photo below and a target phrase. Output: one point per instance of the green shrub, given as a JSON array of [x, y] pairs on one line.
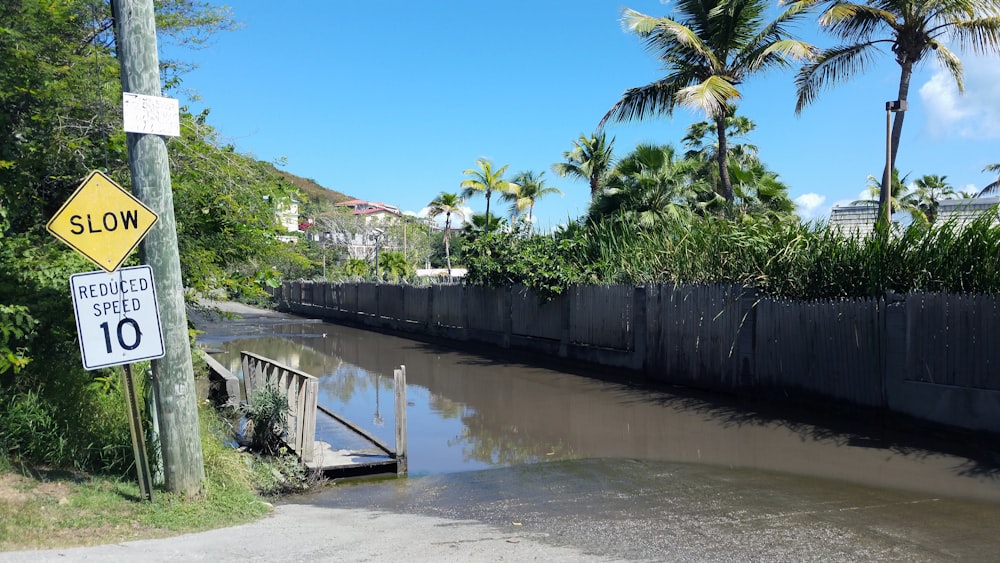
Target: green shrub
[[544, 263], [267, 420], [30, 431]]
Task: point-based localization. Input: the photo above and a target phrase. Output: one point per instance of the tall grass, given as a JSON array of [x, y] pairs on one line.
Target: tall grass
[[74, 422], [799, 261]]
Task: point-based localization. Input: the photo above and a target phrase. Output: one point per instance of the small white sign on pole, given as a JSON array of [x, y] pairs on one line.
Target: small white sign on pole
[[154, 115], [117, 317]]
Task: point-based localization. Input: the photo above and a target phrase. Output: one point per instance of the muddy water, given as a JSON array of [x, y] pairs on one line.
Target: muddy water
[[468, 411]]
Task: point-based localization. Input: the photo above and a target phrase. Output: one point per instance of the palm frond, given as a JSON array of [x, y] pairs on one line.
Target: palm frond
[[951, 63], [831, 66], [992, 186], [856, 22], [979, 35], [713, 95], [644, 102], [782, 53]]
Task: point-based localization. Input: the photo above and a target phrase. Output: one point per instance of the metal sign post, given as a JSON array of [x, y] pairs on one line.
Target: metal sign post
[[138, 437], [118, 322]]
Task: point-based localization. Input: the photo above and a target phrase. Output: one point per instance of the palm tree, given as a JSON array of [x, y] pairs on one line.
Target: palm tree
[[899, 199], [759, 192], [650, 185], [356, 267], [478, 224], [590, 159], [911, 28], [992, 186], [530, 187], [485, 180], [708, 52], [928, 191], [394, 267], [447, 204], [700, 148]]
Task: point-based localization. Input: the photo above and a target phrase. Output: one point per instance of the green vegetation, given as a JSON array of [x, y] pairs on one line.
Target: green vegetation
[[52, 508], [527, 188], [60, 113], [785, 259], [993, 186], [267, 420], [447, 204], [485, 180], [590, 159], [708, 52]]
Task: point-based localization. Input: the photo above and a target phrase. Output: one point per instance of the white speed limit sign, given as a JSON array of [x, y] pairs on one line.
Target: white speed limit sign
[[117, 317]]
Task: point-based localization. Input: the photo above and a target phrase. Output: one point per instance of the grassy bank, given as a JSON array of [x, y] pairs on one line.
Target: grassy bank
[[45, 508]]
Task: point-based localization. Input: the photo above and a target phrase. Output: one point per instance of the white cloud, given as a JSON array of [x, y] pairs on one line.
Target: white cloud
[[969, 189], [974, 114], [809, 204]]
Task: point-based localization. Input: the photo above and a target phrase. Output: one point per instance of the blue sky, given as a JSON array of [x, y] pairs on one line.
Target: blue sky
[[392, 100]]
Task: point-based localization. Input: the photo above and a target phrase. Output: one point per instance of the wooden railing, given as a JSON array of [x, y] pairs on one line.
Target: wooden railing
[[300, 388]]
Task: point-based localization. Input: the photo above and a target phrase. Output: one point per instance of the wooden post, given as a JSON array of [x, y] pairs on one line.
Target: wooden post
[[173, 376], [399, 379]]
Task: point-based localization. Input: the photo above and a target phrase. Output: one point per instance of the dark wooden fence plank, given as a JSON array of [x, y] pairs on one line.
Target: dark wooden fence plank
[[602, 316], [485, 308], [531, 316]]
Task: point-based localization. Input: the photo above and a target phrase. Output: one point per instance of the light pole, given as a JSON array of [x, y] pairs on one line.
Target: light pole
[[886, 194], [378, 237]]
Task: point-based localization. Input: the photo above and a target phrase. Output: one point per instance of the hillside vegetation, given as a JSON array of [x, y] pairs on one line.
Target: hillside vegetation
[[317, 194]]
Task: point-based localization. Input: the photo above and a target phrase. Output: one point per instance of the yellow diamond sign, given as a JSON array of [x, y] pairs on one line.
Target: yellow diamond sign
[[102, 221]]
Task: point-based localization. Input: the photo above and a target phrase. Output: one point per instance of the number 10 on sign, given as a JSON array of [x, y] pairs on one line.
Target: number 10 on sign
[[117, 317]]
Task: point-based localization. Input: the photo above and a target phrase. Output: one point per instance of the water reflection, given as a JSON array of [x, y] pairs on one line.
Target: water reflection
[[470, 412]]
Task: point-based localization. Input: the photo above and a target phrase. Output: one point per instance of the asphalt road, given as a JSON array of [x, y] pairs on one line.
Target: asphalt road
[[589, 510], [298, 532]]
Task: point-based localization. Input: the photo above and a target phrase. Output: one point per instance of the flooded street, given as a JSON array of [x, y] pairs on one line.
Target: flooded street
[[622, 470]]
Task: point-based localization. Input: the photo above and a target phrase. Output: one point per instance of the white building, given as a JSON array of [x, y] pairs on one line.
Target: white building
[[286, 212], [854, 220], [964, 211]]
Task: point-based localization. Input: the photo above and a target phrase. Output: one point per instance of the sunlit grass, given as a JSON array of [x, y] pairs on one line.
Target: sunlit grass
[[45, 509]]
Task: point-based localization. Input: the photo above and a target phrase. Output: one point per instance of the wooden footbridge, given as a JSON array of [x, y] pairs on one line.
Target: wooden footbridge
[[347, 449]]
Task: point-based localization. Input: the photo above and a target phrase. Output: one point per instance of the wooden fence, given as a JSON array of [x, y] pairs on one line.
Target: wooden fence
[[300, 388], [925, 355]]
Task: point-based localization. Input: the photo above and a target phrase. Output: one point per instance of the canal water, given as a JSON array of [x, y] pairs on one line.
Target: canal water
[[469, 412]]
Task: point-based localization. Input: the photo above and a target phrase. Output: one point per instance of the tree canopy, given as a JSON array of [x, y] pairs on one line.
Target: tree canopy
[[708, 49]]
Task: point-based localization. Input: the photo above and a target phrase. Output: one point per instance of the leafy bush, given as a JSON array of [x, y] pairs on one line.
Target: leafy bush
[[17, 328], [267, 420], [546, 264]]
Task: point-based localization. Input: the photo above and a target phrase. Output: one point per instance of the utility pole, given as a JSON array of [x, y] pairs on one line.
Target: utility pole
[[885, 194], [173, 376]]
